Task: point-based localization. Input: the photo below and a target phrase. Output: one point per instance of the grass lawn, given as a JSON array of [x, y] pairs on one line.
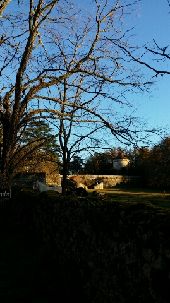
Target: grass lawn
[[156, 198]]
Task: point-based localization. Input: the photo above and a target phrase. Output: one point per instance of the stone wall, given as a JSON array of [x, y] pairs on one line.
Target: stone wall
[[109, 181]]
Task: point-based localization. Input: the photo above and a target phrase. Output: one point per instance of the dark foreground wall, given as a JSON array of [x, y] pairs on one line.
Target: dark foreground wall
[[106, 251]]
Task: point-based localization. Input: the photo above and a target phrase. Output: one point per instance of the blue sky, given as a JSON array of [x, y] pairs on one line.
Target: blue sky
[[153, 21]]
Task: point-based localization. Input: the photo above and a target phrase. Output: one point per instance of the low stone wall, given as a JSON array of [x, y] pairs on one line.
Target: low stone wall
[[109, 181]]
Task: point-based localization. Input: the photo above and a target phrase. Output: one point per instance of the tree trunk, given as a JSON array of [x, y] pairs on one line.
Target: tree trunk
[[5, 182], [66, 163], [64, 181]]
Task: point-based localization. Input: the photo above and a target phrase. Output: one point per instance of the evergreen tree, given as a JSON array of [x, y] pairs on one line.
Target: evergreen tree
[[43, 151], [159, 169], [41, 133], [76, 165]]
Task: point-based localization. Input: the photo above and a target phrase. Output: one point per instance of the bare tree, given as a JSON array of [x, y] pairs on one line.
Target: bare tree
[[154, 57], [78, 126], [50, 43], [17, 89], [87, 111], [100, 75]]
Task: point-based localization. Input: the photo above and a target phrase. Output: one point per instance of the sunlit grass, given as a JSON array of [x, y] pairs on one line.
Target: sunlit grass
[[156, 198]]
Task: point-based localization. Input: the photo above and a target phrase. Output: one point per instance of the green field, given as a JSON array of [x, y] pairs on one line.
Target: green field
[[156, 198]]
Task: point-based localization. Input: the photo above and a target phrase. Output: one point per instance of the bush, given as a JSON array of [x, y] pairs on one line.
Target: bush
[[107, 250], [22, 206]]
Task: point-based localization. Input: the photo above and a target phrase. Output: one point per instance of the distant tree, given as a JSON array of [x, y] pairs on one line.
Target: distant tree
[[102, 163], [41, 133], [152, 165], [99, 164], [139, 160], [44, 153], [140, 165], [159, 170], [76, 165]]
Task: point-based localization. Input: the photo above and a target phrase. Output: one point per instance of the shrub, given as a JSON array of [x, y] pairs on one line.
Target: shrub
[[108, 249]]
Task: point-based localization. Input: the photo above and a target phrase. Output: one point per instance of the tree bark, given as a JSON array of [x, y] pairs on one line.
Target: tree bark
[[66, 163]]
